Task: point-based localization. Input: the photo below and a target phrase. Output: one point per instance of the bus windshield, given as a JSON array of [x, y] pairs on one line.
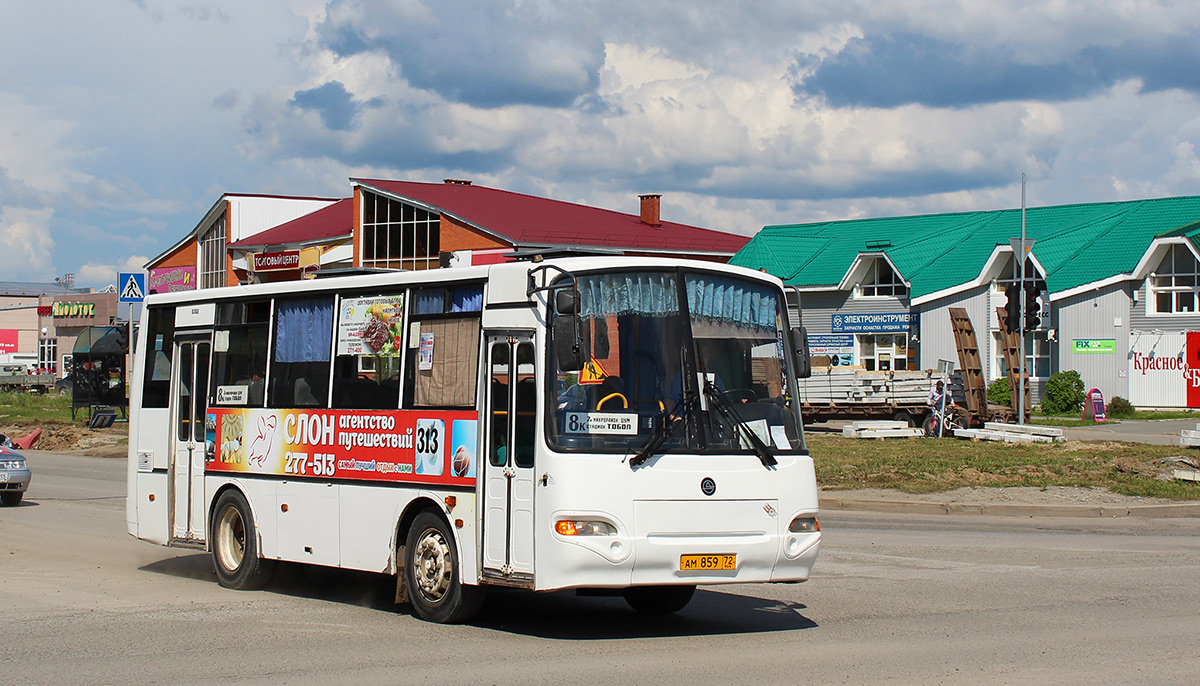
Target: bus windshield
[[689, 361]]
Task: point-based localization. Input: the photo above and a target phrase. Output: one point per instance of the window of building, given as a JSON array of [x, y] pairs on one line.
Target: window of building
[[1175, 284], [396, 235], [1037, 355], [48, 354], [883, 352], [882, 280], [212, 255]]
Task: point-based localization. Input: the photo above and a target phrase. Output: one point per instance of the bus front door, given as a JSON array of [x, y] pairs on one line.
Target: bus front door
[[508, 472], [189, 385]]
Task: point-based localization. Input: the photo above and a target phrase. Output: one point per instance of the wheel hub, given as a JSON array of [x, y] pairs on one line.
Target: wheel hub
[[433, 566]]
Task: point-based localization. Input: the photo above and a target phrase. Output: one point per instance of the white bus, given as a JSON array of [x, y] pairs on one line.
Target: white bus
[[604, 423]]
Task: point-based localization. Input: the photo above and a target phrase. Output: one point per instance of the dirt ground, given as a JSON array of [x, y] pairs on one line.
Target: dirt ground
[[985, 495], [66, 437]]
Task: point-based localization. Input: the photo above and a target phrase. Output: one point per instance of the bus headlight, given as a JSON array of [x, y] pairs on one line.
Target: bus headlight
[[804, 525], [584, 527]]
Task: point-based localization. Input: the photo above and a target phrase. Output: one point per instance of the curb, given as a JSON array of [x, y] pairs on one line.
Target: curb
[[1010, 509]]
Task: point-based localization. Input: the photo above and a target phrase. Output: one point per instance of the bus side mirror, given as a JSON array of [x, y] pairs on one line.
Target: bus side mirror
[[800, 345], [566, 301], [568, 342]]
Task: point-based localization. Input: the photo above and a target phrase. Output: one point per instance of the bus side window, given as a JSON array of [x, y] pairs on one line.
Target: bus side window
[[498, 387], [442, 363], [160, 340], [301, 355], [525, 410]]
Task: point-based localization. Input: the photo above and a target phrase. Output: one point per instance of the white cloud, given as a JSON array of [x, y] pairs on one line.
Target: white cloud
[[26, 244], [100, 275]]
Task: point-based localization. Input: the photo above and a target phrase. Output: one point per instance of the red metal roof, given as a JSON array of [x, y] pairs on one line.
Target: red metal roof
[[334, 221], [526, 220]]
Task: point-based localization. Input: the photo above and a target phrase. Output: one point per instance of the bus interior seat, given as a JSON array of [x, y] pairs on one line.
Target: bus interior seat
[[303, 394]]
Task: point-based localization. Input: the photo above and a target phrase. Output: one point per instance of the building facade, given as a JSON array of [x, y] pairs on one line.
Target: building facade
[[42, 321], [1118, 291], [413, 226]]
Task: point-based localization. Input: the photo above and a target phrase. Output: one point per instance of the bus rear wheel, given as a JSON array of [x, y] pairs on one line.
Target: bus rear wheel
[[433, 574], [658, 600], [235, 545]]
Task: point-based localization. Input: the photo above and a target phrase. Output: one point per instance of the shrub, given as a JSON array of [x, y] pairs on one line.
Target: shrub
[[998, 392], [1119, 407], [1063, 393]]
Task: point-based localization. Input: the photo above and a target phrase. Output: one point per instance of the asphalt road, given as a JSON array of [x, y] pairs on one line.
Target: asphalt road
[[1160, 431], [897, 599]]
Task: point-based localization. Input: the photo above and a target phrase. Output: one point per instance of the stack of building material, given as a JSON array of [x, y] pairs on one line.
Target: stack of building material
[[846, 385], [1012, 433], [881, 429], [1190, 438]]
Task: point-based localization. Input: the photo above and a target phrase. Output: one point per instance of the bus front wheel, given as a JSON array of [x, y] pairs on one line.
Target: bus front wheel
[[235, 544], [433, 574], [658, 600]]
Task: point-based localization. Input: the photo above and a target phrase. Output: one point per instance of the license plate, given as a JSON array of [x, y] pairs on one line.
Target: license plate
[[692, 563]]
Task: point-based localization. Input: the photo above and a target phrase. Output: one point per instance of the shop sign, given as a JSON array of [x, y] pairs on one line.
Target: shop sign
[[1090, 345], [1160, 374], [73, 309], [838, 348], [8, 340], [276, 261], [886, 322], [172, 279]]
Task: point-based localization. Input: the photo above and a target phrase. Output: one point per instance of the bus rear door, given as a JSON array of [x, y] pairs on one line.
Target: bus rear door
[[189, 385]]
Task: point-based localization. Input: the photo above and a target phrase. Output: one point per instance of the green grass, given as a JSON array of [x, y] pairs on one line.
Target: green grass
[[930, 465], [33, 407]]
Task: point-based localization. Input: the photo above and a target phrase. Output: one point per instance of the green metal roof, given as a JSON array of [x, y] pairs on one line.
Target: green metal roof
[[1075, 244]]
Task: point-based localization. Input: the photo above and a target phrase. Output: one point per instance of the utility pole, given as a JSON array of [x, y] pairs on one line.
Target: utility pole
[[1021, 357]]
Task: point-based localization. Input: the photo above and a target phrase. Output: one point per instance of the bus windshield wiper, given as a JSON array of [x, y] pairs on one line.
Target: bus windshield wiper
[[663, 432], [727, 411]]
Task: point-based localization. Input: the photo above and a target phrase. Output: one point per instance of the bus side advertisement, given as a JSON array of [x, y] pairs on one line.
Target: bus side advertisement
[[431, 447]]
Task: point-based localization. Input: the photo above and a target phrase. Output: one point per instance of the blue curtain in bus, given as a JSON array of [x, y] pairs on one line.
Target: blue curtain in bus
[[647, 293], [466, 299], [430, 301], [304, 330], [730, 301]]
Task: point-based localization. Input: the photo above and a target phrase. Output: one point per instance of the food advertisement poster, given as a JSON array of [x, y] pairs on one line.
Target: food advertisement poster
[[390, 446], [370, 326]]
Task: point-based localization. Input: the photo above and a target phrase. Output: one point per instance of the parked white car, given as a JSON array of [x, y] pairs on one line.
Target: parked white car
[[14, 477]]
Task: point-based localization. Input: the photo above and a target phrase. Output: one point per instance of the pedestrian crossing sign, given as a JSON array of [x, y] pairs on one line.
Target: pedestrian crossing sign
[[133, 287]]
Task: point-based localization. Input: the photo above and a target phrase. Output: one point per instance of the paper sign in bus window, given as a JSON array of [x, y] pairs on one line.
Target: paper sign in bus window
[[619, 423]]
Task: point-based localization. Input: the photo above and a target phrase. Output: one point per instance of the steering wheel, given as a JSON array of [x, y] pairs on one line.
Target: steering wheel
[[744, 395]]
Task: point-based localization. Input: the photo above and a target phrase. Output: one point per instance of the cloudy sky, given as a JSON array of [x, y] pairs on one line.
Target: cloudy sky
[[123, 121]]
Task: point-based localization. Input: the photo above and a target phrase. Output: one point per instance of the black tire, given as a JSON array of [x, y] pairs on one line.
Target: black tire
[[930, 425], [905, 417], [433, 574], [658, 600], [235, 545], [11, 498]]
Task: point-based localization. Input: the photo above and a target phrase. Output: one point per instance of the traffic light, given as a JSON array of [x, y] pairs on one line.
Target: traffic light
[[1012, 308], [1032, 308]]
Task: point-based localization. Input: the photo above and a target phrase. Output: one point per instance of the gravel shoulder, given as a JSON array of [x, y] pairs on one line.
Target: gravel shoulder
[[1024, 495]]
